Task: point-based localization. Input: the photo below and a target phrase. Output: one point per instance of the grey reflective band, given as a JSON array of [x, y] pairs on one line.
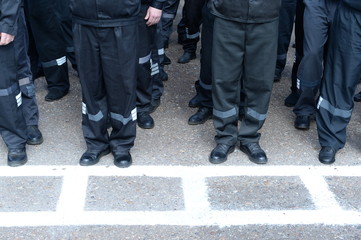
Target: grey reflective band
[[226, 114], [331, 109], [168, 15], [281, 56], [145, 59], [192, 36], [160, 51], [120, 118], [205, 86], [69, 49], [8, 91], [96, 118], [24, 81], [56, 62], [256, 115]]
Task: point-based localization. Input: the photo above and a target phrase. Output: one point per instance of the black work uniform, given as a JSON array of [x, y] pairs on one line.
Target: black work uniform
[[12, 123], [204, 84], [291, 14], [170, 8], [286, 23], [24, 75], [106, 41], [342, 74], [147, 68], [318, 18], [244, 59], [192, 21], [50, 43], [157, 58]]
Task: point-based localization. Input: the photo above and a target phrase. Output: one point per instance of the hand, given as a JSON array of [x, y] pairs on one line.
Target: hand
[[153, 16], [5, 38]]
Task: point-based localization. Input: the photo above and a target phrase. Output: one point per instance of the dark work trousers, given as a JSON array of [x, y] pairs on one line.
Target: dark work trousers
[[318, 17], [239, 49], [146, 44], [66, 26], [157, 68], [107, 61], [12, 123], [204, 84], [181, 26], [286, 22], [50, 43], [170, 8], [342, 74], [298, 42], [24, 75], [192, 20]]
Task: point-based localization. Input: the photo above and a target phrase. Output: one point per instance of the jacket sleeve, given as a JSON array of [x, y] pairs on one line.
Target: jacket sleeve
[[9, 13], [157, 4]]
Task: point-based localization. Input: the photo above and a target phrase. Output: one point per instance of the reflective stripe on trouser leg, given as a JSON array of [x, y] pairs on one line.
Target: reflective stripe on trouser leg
[[256, 84], [226, 80], [12, 124], [341, 76]]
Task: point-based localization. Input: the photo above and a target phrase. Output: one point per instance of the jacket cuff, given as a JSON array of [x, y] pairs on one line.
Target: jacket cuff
[[157, 4]]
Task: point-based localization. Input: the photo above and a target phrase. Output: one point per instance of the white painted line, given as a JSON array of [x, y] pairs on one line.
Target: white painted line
[[183, 218], [322, 197], [195, 195], [179, 171], [73, 193], [70, 208]]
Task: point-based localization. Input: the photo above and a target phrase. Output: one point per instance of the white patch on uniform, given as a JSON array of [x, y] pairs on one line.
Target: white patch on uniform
[[19, 99], [134, 114], [83, 108]]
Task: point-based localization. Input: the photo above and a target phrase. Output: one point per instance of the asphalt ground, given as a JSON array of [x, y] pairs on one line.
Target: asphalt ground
[[171, 191]]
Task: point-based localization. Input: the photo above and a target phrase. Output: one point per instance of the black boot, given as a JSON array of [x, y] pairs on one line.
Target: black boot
[[34, 135], [17, 157], [219, 153], [201, 116], [186, 57], [145, 121]]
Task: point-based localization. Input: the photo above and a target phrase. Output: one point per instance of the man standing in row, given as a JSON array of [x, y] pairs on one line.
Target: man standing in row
[[342, 74], [244, 59], [12, 123], [106, 43]]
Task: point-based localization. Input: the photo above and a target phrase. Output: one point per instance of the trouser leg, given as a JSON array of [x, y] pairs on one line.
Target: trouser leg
[[260, 50], [342, 73], [193, 20], [227, 65], [317, 21], [120, 61], [94, 102], [50, 43], [286, 22], [298, 42], [24, 75], [205, 78], [157, 71], [170, 8], [12, 123], [144, 82]]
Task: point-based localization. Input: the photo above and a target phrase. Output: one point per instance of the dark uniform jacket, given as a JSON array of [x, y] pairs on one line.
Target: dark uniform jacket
[[354, 4], [105, 13], [158, 4], [9, 12], [247, 11]]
